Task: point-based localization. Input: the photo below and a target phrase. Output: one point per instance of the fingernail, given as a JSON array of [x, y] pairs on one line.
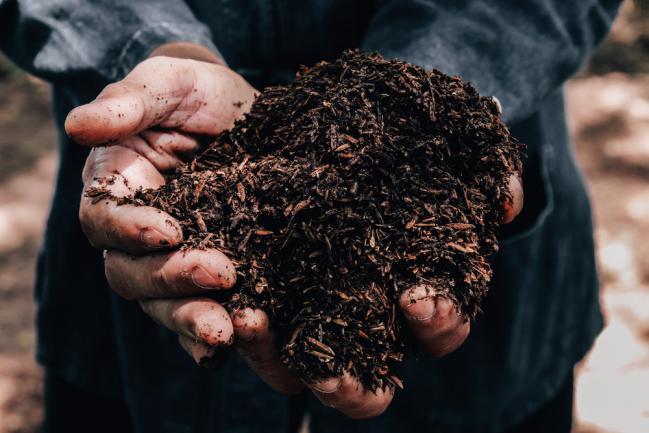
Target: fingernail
[[421, 309], [153, 238], [327, 386], [202, 278], [418, 303]]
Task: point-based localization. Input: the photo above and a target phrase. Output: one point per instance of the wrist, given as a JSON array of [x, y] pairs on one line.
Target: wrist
[[187, 50]]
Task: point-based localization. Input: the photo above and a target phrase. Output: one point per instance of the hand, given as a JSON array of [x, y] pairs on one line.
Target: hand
[[433, 320], [154, 119]]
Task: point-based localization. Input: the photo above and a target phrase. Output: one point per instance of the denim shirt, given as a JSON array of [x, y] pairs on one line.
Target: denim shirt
[[542, 312]]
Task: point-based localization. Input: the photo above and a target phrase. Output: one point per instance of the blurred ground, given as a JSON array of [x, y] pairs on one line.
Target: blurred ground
[[27, 167], [610, 121], [608, 106]]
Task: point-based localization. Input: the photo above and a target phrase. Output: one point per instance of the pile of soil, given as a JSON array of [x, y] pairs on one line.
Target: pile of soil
[[360, 179]]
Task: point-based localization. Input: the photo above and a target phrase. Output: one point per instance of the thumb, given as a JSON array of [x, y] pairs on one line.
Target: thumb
[[146, 97]]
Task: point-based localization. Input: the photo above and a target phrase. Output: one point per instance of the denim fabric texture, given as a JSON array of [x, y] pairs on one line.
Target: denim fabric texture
[[542, 313]]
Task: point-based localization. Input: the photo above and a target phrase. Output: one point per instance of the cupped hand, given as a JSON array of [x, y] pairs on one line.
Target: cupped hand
[[139, 128], [153, 120], [433, 320]]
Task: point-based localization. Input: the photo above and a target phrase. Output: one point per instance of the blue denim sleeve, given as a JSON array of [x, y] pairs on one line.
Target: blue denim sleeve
[[67, 40], [519, 51]]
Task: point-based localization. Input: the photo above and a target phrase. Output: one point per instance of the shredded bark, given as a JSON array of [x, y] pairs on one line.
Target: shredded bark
[[337, 192]]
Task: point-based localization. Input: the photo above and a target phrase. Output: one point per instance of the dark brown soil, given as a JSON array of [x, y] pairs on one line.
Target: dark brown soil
[[339, 191]]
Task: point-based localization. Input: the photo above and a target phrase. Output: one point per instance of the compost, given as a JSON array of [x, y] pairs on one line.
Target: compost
[[337, 192]]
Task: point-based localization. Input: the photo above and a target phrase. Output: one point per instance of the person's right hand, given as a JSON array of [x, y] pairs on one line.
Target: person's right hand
[[139, 128]]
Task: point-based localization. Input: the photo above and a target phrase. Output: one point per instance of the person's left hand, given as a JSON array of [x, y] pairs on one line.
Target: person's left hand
[[434, 321]]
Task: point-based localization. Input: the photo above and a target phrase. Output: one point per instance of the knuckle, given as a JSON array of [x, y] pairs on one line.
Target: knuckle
[[161, 281]]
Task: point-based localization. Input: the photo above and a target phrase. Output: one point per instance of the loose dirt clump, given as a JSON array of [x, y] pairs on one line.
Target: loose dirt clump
[[337, 192]]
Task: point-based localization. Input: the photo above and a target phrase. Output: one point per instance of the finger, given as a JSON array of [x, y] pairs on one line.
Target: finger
[[201, 320], [348, 396], [166, 149], [144, 98], [513, 206], [164, 275], [433, 320], [134, 170], [107, 225], [194, 96], [257, 345]]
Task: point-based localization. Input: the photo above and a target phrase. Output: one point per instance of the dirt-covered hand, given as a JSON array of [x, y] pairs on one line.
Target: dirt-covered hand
[[154, 119], [434, 319]]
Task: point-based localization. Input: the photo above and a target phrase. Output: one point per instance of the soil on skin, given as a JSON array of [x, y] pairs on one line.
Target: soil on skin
[[341, 190]]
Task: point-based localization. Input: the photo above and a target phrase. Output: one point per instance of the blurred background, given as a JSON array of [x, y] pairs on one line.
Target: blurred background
[[608, 106]]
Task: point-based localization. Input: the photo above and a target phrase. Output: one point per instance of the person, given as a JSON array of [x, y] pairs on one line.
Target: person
[[177, 68]]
